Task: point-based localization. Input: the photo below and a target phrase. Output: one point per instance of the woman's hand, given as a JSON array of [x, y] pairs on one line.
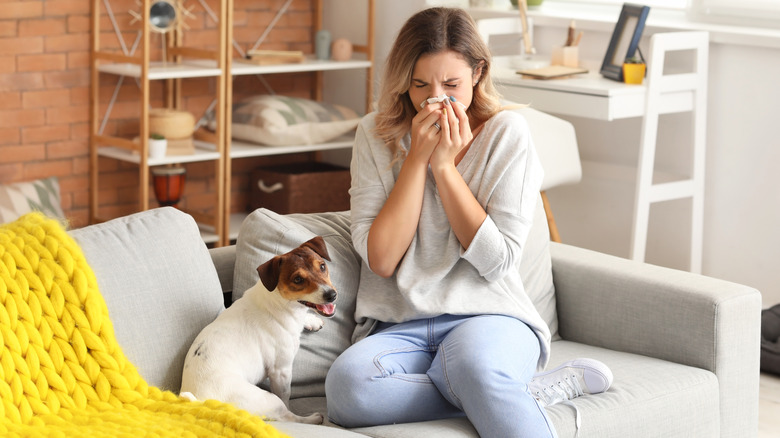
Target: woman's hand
[[464, 212], [455, 135], [425, 134]]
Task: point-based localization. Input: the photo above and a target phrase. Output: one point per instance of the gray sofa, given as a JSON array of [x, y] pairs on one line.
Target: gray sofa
[[683, 348]]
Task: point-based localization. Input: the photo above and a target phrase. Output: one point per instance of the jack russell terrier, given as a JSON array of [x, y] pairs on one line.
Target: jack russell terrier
[[259, 335]]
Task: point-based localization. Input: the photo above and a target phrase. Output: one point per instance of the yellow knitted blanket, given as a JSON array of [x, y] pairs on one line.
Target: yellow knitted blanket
[[62, 372]]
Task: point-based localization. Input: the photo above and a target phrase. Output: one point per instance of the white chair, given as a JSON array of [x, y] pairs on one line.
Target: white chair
[[504, 35], [670, 92], [556, 144], [554, 138]]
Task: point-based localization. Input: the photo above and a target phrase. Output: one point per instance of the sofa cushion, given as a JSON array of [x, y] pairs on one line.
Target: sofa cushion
[[265, 234], [649, 397], [160, 286]]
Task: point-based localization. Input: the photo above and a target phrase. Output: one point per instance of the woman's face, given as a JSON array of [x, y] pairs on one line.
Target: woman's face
[[441, 73]]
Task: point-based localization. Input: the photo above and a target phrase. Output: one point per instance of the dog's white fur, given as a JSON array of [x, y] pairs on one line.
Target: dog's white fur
[[256, 337]]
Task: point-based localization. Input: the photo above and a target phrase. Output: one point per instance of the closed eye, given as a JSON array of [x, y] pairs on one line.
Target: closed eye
[[420, 84]]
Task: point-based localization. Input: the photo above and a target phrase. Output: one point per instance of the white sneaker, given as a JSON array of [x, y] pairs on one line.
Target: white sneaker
[[570, 380]]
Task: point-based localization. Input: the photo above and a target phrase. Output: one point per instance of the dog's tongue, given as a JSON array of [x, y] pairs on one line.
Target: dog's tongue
[[327, 309]]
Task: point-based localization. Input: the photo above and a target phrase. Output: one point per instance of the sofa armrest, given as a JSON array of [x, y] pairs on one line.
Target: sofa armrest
[[224, 259], [669, 314]]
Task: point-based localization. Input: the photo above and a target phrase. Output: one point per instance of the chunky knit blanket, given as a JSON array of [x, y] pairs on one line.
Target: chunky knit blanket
[[62, 372]]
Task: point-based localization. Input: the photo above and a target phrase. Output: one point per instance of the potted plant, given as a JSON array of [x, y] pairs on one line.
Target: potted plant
[[158, 145], [634, 70]]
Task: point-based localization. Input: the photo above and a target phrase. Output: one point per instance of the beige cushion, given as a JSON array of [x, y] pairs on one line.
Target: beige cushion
[[40, 195], [284, 121]]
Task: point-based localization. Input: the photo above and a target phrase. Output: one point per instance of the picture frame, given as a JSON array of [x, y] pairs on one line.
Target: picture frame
[[625, 39]]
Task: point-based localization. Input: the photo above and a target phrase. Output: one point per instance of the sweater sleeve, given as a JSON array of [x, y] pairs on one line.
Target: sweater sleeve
[[367, 191], [508, 191]]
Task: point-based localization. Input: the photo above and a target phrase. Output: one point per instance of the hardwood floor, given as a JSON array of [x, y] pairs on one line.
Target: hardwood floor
[[769, 406]]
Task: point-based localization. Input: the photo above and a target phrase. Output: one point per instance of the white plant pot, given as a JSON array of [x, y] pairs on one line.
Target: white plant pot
[[157, 148]]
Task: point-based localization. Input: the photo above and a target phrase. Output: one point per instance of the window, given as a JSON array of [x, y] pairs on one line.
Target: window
[[761, 9], [668, 4], [750, 13]]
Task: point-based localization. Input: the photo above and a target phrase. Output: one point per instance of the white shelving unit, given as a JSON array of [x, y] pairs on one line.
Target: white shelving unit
[[222, 228], [135, 63]]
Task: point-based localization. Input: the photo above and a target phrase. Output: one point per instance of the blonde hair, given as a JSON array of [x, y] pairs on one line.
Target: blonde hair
[[432, 31]]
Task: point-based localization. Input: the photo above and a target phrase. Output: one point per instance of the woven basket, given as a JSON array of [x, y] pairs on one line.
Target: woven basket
[[310, 187], [171, 123]]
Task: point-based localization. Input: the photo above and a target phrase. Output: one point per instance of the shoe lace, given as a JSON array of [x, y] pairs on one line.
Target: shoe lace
[[562, 391]]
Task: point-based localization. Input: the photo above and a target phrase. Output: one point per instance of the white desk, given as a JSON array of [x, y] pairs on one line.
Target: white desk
[[587, 95], [592, 96]]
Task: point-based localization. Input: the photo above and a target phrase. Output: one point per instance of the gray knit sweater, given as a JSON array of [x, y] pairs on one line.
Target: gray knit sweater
[[436, 275]]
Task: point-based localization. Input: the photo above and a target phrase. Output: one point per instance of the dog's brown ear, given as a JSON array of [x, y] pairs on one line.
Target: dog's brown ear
[[317, 244], [269, 273]]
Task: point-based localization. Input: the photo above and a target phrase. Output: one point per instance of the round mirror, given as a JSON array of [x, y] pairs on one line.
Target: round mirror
[[162, 16]]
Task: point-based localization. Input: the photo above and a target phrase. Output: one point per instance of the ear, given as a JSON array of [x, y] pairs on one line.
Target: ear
[[269, 273], [478, 72], [317, 244]]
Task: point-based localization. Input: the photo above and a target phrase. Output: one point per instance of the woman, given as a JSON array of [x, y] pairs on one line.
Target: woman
[[444, 187]]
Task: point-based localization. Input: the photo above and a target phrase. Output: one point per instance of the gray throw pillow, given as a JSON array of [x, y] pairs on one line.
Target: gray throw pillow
[[536, 270], [160, 286], [265, 234]]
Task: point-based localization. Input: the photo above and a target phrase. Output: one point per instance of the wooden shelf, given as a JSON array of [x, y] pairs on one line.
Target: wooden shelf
[[239, 149], [243, 149], [243, 67], [161, 70], [203, 152]]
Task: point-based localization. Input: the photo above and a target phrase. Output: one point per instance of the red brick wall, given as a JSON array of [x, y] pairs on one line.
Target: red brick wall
[[44, 95]]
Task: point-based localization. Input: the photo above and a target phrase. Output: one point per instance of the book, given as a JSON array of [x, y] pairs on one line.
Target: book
[[269, 57], [552, 72]]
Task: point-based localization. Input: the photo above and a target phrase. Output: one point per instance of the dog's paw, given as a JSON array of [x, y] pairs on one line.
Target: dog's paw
[[315, 418], [313, 324], [188, 396]]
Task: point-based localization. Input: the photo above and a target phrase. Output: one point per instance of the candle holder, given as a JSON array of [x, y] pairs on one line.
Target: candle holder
[[168, 184]]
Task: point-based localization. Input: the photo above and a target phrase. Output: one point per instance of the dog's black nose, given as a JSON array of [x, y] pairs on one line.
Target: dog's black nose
[[329, 295]]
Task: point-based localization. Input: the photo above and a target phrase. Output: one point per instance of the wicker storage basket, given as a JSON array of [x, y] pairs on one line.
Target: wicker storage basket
[[310, 187]]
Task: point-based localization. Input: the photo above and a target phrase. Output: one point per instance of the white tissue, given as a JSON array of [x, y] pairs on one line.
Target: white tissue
[[436, 99]]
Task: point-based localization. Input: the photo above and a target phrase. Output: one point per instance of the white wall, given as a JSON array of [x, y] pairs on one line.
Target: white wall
[[742, 202]]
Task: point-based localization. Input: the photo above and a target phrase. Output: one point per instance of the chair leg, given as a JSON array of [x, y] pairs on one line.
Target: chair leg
[[554, 236]]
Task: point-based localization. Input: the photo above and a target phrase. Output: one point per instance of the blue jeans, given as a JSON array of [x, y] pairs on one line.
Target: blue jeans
[[444, 367]]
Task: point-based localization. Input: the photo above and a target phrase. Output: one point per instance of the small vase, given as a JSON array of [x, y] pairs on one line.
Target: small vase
[[633, 73], [322, 42]]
